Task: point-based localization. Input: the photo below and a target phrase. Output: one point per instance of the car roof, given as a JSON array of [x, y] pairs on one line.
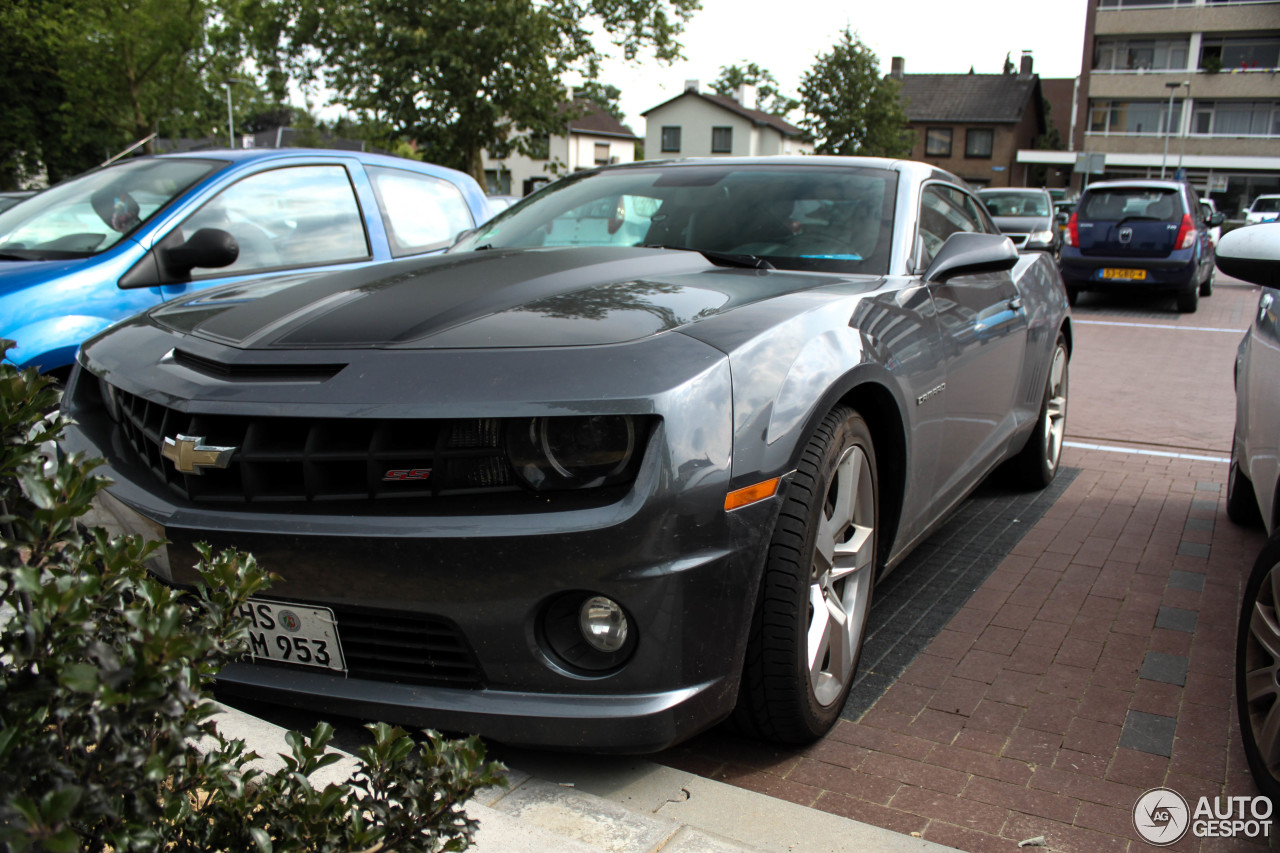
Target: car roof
[[1036, 190], [1149, 184], [249, 155], [920, 171]]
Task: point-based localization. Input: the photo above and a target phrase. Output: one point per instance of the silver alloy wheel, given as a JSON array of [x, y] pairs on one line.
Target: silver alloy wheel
[[1262, 669], [840, 579], [1055, 422]]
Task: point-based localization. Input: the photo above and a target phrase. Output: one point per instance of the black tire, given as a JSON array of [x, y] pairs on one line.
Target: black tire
[[1242, 503], [783, 698], [1189, 299], [1206, 286], [1036, 464], [1258, 652]]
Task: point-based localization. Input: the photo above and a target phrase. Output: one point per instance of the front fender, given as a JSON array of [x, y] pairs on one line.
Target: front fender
[[51, 344]]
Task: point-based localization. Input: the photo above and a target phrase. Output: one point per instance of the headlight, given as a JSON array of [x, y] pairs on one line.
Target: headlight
[[572, 452], [1041, 237]]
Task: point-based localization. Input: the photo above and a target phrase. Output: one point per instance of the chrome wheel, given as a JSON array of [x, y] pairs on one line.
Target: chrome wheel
[[1258, 669], [1055, 420], [840, 578]]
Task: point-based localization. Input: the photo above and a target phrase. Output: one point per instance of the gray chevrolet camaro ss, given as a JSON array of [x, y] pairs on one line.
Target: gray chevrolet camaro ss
[[624, 463]]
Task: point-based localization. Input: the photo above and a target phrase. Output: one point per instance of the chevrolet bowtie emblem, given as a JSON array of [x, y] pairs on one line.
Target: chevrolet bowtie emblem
[[189, 454]]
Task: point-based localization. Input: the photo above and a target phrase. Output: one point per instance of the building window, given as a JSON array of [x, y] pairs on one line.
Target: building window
[[539, 146], [937, 142], [977, 142], [497, 182], [1140, 55], [721, 140], [1218, 54], [1139, 118], [1236, 118], [670, 139], [602, 154]]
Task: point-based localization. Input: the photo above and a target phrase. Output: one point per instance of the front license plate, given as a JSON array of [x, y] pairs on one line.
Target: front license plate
[[293, 633], [1136, 275]]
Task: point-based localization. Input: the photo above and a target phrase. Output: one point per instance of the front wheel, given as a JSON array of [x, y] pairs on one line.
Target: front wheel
[[811, 616], [1189, 299], [1257, 666], [1206, 286], [1037, 463]]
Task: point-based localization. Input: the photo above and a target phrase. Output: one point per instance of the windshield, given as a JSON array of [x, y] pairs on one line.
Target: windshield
[[91, 213], [797, 217], [1267, 204], [1016, 204]]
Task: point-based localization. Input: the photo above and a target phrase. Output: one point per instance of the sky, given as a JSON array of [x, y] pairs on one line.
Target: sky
[[786, 36]]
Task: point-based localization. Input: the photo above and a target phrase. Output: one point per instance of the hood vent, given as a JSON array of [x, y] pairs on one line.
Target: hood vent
[[275, 372]]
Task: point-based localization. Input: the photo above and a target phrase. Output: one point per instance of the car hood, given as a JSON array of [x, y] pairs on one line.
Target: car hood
[[495, 298], [1021, 224]]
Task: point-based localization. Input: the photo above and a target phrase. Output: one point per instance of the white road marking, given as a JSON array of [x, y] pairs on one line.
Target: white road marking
[[1080, 445], [1157, 326]]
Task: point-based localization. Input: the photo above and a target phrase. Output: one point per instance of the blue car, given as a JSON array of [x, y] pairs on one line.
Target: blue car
[[1140, 235], [115, 241]]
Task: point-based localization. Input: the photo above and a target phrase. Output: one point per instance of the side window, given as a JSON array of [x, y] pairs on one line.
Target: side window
[[979, 214], [421, 213], [291, 217], [942, 213]]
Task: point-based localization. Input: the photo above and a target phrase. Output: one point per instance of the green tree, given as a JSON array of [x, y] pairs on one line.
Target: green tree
[[461, 76], [602, 95], [768, 96], [849, 108]]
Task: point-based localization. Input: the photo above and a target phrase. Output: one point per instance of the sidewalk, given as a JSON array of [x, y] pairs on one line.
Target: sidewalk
[[593, 804]]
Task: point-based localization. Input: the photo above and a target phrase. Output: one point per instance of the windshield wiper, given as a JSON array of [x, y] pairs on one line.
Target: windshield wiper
[[720, 259]]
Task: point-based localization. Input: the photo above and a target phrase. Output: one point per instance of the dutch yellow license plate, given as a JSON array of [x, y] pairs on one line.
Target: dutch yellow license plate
[[1136, 275]]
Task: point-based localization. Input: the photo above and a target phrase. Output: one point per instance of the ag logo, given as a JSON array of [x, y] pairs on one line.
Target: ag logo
[[1161, 816]]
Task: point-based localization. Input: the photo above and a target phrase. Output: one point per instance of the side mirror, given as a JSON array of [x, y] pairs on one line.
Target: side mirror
[[1216, 219], [1252, 254], [1062, 218], [969, 253], [208, 247]]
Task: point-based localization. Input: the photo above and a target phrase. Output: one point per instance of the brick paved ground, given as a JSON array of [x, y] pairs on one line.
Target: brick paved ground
[[1094, 663]]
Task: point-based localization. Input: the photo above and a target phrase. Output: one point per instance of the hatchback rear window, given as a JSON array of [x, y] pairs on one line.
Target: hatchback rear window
[[1131, 203]]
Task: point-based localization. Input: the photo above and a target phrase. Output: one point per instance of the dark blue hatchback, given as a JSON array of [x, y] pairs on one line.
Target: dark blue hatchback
[[1127, 235]]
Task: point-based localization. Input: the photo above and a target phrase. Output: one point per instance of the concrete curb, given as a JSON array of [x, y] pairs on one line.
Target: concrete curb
[[575, 804]]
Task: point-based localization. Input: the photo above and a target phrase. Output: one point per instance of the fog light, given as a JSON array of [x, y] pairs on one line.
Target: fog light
[[603, 624]]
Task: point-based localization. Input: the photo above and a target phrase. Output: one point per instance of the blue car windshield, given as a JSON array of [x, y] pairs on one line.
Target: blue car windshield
[[795, 216], [91, 213]]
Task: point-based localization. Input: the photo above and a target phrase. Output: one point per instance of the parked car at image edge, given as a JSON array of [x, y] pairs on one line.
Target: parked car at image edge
[[1265, 208], [115, 241], [623, 463], [1026, 215], [10, 198], [1253, 497], [1140, 235]]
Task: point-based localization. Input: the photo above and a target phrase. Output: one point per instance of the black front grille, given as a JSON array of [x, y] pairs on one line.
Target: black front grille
[[404, 649], [283, 459]]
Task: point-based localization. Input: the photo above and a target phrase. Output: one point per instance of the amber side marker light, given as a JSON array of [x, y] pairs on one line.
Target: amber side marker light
[[751, 494]]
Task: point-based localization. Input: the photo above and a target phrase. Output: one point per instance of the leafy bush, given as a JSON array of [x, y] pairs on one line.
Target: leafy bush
[[104, 680]]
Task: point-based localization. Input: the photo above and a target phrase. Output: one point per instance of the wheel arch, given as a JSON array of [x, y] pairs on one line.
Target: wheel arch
[[879, 408]]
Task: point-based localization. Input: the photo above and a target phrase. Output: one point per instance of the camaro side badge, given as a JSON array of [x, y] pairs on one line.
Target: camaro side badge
[[189, 454], [931, 393]]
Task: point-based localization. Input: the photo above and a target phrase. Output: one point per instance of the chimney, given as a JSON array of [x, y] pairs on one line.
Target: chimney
[[1025, 69], [691, 85], [897, 67], [746, 95]]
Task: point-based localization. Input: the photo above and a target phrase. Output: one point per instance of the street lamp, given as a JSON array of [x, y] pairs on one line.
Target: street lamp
[[231, 128], [1168, 122]]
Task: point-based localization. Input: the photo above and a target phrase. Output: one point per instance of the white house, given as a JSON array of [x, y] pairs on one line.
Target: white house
[[595, 138], [693, 124]]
